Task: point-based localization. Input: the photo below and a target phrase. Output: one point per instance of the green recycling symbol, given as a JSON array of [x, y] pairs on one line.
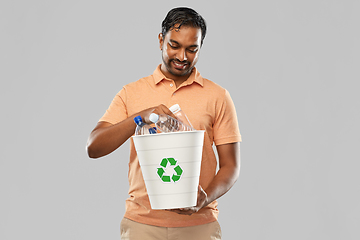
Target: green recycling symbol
[[164, 164]]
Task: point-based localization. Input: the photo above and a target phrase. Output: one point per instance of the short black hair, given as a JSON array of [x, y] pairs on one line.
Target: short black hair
[[184, 17]]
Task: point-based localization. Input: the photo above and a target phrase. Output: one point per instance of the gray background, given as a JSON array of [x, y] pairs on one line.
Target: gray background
[[292, 68]]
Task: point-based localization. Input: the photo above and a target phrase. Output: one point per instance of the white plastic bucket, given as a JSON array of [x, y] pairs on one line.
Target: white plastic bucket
[[170, 164]]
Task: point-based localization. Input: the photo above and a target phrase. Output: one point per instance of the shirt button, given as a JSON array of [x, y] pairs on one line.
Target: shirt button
[[171, 85]]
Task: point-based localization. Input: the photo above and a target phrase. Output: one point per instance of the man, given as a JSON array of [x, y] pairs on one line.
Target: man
[[208, 107]]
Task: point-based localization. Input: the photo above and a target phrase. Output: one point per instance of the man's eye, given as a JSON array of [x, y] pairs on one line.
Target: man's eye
[[173, 47], [192, 50]]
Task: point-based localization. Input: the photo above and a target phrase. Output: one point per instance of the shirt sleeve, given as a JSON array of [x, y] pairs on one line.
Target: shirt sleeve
[[226, 127], [117, 111]]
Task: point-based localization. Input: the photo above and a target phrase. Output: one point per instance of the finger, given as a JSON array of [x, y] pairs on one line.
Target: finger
[[182, 211], [178, 209]]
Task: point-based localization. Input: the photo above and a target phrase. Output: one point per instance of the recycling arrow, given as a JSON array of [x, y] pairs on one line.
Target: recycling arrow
[[164, 164]]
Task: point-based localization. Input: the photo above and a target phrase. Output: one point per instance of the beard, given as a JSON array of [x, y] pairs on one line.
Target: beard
[[187, 70]]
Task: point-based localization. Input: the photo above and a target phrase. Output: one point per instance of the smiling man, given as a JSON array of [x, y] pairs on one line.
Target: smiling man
[[180, 52], [208, 106]]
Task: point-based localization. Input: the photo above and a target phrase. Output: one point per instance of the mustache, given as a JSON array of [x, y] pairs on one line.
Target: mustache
[[180, 62]]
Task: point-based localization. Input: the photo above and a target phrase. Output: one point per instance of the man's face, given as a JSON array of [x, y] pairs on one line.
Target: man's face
[[180, 52]]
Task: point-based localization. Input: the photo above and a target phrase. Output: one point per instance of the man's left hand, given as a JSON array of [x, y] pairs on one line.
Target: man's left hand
[[201, 201]]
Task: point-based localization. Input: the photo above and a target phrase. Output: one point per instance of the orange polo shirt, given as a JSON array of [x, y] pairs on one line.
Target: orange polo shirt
[[208, 107]]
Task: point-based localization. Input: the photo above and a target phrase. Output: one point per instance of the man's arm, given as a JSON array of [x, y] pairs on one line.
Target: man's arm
[[229, 170], [106, 137]]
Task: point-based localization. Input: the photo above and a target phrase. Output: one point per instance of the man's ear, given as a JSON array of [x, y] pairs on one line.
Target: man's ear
[[161, 40]]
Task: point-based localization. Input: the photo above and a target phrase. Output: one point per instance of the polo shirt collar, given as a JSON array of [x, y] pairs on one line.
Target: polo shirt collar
[[194, 77]]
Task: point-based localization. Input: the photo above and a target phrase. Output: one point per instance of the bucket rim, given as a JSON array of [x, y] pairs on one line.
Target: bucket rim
[[168, 133]]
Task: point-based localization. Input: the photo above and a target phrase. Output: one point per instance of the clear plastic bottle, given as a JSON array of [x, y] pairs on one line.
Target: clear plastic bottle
[[179, 114], [143, 128], [165, 123]]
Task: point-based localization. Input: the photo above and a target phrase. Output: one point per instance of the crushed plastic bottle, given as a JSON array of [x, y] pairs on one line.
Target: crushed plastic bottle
[[179, 114], [143, 128], [165, 123]]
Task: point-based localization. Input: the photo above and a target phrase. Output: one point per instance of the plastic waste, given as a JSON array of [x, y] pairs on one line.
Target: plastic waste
[[165, 123], [179, 114], [143, 128]]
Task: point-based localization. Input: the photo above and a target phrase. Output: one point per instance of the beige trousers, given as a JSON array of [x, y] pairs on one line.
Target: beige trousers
[[131, 230]]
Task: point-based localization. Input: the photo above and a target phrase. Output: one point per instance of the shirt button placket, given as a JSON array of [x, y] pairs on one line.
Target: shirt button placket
[[172, 85]]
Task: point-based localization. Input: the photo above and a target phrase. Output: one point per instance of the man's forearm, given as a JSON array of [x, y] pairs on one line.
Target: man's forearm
[[229, 161], [223, 181], [104, 140], [106, 137]]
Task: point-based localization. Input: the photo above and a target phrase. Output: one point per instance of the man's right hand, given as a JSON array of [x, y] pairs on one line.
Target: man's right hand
[[107, 137], [161, 109]]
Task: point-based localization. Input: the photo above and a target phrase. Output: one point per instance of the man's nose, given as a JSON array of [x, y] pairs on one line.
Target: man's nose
[[181, 55]]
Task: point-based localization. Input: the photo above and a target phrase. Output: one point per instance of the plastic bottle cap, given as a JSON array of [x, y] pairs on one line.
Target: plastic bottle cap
[[138, 120], [175, 108], [154, 117]]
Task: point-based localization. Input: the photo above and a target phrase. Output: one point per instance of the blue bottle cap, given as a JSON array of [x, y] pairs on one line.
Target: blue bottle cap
[[138, 120]]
